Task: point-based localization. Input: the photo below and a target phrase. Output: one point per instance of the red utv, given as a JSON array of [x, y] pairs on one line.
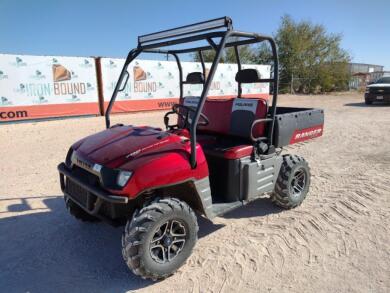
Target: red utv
[[216, 156]]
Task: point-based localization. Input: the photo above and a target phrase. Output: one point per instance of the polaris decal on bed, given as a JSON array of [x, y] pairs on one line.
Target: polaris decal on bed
[[244, 105], [300, 135]]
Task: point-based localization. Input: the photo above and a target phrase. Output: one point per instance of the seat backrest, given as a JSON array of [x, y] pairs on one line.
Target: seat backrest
[[232, 117], [195, 78], [242, 116]]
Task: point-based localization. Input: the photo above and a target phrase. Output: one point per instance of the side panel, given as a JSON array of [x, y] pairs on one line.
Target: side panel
[[294, 125], [259, 177], [224, 178]]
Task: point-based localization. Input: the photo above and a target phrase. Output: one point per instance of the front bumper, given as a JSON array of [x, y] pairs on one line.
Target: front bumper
[[376, 97], [89, 197]]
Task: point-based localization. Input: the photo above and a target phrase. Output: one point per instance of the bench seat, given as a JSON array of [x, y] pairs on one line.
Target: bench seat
[[228, 133]]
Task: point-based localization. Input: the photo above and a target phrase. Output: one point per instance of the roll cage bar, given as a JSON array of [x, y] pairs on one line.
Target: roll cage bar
[[207, 30]]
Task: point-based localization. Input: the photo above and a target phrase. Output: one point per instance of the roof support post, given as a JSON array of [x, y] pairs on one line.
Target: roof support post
[[203, 97]]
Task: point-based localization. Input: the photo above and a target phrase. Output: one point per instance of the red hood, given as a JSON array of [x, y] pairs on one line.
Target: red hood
[[116, 146]]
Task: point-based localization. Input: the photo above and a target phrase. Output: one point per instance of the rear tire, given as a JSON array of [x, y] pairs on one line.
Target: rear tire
[[293, 182], [78, 212], [159, 238], [368, 102]]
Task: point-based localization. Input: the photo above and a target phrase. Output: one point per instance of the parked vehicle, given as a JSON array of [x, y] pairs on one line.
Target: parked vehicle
[[378, 91], [213, 156]]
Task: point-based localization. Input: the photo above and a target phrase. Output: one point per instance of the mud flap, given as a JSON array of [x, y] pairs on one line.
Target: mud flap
[[203, 189]]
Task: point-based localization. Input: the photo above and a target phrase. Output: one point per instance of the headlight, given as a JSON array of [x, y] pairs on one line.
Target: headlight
[[73, 157], [97, 168], [367, 89], [123, 178]]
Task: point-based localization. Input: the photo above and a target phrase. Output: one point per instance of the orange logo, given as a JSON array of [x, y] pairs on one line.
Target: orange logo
[[60, 73], [139, 73]]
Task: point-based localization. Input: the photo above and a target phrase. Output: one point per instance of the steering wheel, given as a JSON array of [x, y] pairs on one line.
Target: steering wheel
[[185, 117]]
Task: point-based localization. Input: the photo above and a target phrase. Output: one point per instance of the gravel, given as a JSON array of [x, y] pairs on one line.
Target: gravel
[[337, 241]]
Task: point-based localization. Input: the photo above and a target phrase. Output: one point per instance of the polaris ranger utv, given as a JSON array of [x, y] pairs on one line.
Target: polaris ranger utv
[[214, 156]]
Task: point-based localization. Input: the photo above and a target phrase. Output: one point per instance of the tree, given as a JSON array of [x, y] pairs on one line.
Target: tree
[[263, 54], [310, 58], [208, 56], [247, 55]]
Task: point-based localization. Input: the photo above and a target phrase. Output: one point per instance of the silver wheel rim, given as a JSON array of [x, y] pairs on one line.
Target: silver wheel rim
[[298, 183], [168, 241]]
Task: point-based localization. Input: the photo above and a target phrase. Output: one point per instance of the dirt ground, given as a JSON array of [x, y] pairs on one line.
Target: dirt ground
[[337, 241]]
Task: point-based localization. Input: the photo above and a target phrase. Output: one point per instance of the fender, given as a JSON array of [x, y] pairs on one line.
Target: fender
[[156, 170]]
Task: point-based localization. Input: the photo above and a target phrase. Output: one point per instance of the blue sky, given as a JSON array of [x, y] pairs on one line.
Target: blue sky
[[109, 28]]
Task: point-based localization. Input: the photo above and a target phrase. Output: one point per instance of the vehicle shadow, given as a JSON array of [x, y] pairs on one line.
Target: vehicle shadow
[[207, 227], [258, 208], [364, 105], [50, 251]]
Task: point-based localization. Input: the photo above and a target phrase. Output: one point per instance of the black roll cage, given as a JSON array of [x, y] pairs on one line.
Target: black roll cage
[[206, 30]]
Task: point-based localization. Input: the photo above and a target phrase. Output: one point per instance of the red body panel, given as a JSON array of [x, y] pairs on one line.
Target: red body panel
[[155, 157], [238, 152], [165, 169]]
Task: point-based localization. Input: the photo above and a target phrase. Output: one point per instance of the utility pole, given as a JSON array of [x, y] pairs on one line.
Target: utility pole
[[292, 84]]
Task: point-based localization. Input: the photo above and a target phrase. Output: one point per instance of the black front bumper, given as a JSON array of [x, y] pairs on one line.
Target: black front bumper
[[373, 97], [91, 198]]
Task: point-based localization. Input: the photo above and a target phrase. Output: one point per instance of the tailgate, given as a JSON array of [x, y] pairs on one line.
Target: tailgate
[[294, 125]]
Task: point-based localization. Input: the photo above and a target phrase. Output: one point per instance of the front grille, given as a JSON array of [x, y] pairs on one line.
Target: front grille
[[77, 192], [85, 176], [380, 90]]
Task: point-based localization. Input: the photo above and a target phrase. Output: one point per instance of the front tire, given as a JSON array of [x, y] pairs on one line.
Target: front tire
[[293, 182], [159, 238]]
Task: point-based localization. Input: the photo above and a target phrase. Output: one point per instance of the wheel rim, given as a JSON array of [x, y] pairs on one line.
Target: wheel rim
[[168, 241], [298, 183]]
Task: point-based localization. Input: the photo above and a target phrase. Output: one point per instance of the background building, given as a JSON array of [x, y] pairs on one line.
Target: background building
[[362, 74]]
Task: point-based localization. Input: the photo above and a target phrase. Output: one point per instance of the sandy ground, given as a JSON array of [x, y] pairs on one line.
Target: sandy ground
[[337, 241]]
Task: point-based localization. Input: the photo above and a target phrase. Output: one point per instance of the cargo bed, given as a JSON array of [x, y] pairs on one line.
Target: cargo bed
[[293, 125]]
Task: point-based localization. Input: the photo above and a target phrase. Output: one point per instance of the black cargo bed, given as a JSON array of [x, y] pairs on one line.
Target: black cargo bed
[[294, 125]]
